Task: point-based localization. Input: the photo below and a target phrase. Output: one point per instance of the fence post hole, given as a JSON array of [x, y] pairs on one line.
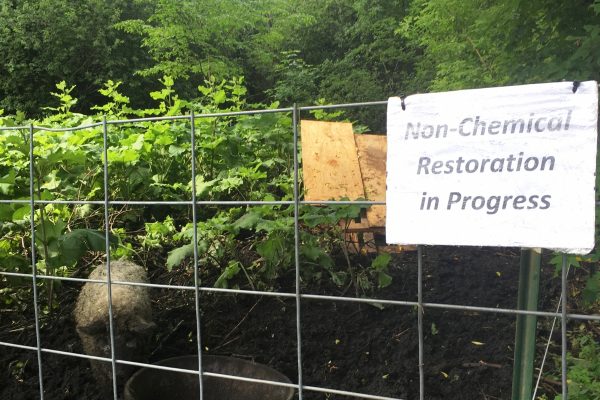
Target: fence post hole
[[529, 287]]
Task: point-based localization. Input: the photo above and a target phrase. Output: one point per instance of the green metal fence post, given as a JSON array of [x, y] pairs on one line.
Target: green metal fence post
[[529, 287]]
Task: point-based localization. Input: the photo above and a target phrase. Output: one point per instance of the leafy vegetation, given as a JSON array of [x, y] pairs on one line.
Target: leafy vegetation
[[343, 51], [241, 158], [583, 369], [476, 43], [45, 42]]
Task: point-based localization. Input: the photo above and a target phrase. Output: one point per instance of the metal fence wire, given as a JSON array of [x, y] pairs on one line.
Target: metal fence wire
[[198, 289]]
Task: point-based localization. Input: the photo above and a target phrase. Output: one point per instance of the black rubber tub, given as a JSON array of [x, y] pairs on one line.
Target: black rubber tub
[[155, 384]]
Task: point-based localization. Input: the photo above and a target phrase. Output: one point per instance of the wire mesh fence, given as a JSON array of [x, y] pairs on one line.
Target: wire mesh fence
[[199, 289]]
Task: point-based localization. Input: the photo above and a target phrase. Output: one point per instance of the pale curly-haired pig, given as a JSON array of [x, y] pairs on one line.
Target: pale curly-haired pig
[[132, 320]]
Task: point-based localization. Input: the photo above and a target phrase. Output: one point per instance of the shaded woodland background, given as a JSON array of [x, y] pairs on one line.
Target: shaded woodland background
[[290, 51]]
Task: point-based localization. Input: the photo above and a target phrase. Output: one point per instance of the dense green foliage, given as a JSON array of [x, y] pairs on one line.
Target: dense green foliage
[[584, 369], [291, 51], [478, 43], [43, 42], [288, 51], [245, 158]]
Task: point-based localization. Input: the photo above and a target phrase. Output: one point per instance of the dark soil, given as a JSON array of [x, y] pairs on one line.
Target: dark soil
[[345, 345]]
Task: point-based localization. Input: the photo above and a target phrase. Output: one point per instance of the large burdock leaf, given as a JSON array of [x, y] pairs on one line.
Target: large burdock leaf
[[75, 243]]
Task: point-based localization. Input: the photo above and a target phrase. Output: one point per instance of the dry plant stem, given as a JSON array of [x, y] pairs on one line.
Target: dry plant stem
[[351, 270], [482, 364], [552, 382], [239, 323], [166, 337], [114, 216], [248, 277], [486, 66], [227, 343]]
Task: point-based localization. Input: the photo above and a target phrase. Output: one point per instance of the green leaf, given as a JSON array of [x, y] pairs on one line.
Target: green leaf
[[591, 292], [339, 278], [348, 212], [202, 186], [7, 182], [168, 81], [383, 279], [159, 95], [381, 262], [51, 181], [178, 255], [312, 220], [229, 273], [220, 97], [6, 212], [271, 249], [74, 244], [248, 220], [282, 224], [14, 263], [230, 183], [175, 151], [21, 213], [50, 230], [213, 144], [311, 252], [163, 140], [71, 156], [123, 156], [557, 261]]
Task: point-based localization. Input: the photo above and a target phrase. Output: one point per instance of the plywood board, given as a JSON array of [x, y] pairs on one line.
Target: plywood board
[[329, 161], [372, 152]]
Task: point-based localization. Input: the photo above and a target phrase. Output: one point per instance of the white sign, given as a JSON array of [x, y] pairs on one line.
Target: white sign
[[509, 166]]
